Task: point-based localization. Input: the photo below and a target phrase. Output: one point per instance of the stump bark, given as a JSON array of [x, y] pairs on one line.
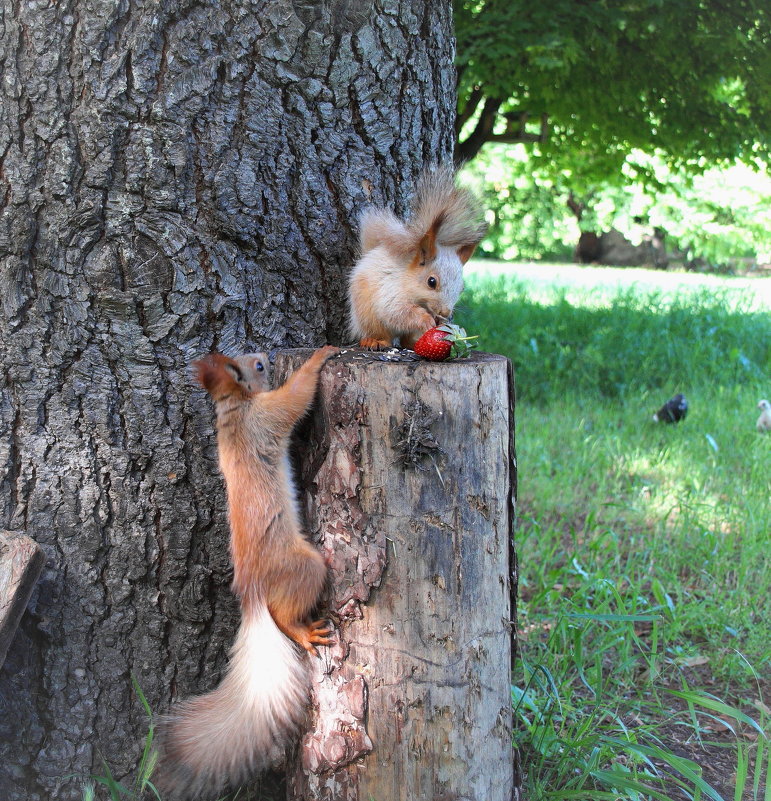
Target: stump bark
[[408, 473], [21, 561]]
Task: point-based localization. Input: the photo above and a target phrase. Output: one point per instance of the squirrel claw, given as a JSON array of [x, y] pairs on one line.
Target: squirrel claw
[[321, 632], [371, 343]]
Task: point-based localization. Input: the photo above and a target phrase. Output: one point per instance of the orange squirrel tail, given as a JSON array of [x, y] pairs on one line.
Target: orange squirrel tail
[[225, 737]]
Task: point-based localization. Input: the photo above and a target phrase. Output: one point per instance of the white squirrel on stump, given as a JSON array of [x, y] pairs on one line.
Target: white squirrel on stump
[[410, 274]]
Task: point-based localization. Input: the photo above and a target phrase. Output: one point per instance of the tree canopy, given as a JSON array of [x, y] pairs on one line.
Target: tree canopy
[[592, 81]]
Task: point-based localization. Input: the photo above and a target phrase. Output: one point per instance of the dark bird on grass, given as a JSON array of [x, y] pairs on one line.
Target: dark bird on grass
[[673, 411], [764, 421]]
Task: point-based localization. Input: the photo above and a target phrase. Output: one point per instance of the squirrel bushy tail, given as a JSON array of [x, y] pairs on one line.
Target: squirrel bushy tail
[[226, 736], [451, 213]]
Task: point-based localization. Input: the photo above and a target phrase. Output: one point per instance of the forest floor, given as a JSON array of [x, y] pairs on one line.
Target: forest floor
[[645, 569]]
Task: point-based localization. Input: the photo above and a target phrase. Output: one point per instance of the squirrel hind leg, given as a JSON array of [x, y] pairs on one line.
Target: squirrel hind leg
[[307, 635], [296, 592], [372, 343]]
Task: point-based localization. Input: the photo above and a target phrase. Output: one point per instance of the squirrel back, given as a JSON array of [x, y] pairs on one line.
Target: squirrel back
[[410, 274], [253, 459]]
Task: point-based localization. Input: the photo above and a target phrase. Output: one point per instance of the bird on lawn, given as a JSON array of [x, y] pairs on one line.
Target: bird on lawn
[[764, 421], [673, 411]]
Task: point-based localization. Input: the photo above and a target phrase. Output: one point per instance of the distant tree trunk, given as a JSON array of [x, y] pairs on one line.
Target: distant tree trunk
[[174, 177], [409, 475], [588, 248]]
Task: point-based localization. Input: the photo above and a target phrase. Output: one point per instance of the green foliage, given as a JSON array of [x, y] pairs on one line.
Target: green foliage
[[526, 210], [142, 787], [686, 78], [719, 216], [642, 547]]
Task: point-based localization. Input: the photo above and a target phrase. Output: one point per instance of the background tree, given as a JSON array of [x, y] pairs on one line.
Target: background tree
[[720, 218], [590, 82], [617, 109], [175, 176]]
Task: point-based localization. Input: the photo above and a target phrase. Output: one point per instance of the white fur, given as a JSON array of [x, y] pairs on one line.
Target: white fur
[[240, 728], [764, 421]]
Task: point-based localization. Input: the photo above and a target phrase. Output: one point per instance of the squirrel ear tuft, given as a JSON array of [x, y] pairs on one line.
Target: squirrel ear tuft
[[427, 246], [203, 370], [465, 252]]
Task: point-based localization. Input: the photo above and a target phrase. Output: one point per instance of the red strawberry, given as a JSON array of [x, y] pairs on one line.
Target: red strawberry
[[433, 345], [437, 343]]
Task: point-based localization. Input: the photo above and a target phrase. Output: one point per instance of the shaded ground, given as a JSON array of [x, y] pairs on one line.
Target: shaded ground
[[716, 753]]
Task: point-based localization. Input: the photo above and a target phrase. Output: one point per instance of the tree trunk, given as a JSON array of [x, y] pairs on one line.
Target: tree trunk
[[408, 471], [175, 177]]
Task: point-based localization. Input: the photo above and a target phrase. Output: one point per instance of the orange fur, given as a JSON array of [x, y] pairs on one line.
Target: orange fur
[[220, 739]]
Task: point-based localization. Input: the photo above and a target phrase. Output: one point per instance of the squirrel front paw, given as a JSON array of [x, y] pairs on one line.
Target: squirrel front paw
[[429, 321], [323, 354], [327, 351]]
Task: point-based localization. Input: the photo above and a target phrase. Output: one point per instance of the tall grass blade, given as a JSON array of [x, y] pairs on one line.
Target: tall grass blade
[[720, 707], [742, 770]]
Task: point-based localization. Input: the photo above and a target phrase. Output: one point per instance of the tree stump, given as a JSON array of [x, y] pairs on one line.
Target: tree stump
[[21, 561], [407, 472]]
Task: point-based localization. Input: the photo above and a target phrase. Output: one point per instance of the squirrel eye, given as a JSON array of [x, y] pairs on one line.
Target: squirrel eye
[[258, 366], [431, 281]]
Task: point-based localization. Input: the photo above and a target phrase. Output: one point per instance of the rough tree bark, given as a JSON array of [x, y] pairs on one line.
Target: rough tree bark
[[409, 478], [175, 176]]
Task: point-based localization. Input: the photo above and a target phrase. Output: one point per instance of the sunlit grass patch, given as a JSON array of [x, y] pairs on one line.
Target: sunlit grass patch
[[596, 286], [645, 564]]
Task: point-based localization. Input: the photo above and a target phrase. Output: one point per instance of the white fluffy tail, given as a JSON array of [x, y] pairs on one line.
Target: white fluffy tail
[[226, 736], [452, 212]]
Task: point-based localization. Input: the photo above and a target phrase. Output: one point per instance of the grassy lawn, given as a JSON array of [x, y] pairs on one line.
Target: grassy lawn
[[645, 566]]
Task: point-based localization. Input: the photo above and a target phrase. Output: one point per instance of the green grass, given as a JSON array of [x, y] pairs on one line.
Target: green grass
[[141, 787], [594, 285], [645, 565]]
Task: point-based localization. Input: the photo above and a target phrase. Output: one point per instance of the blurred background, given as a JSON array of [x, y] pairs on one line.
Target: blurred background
[[649, 120]]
